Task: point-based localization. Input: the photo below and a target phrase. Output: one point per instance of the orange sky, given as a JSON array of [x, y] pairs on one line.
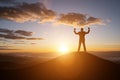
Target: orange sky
[[49, 35]]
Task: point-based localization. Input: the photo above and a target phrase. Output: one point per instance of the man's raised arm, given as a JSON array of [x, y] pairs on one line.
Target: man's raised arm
[[88, 30], [75, 31]]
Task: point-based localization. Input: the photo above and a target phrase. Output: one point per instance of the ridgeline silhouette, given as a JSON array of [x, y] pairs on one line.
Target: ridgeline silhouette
[[71, 66]]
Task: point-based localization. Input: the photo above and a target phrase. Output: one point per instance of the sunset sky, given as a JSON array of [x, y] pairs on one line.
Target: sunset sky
[[47, 25]]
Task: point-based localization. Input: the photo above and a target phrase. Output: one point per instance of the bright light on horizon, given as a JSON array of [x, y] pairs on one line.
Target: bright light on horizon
[[63, 49]]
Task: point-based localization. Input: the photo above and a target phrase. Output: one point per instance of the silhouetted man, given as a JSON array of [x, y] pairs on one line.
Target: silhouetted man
[[81, 34]]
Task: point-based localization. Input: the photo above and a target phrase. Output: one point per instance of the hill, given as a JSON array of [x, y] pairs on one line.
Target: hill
[[73, 66]]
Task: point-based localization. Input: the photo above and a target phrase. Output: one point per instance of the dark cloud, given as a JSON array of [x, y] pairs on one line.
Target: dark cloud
[[79, 20], [7, 1], [18, 34], [7, 36], [6, 31], [25, 33], [19, 43], [31, 43], [27, 12], [7, 48], [18, 37], [34, 38]]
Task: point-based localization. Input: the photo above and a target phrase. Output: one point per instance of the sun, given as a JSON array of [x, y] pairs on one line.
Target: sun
[[63, 49]]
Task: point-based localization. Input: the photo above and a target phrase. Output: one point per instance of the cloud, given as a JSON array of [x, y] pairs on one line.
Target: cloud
[[18, 37], [38, 12], [18, 34], [3, 41], [27, 12], [108, 20], [7, 48], [94, 20], [25, 33], [5, 31], [7, 1], [78, 20], [26, 43], [11, 36], [34, 38]]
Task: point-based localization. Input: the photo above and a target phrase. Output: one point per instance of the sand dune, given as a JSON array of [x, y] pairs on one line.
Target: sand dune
[[73, 66]]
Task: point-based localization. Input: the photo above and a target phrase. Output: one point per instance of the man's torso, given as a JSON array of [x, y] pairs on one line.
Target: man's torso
[[82, 36]]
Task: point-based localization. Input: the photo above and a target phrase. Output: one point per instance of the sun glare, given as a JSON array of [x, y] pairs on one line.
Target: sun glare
[[63, 49]]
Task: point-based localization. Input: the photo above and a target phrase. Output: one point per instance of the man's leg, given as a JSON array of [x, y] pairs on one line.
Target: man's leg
[[84, 46], [79, 45]]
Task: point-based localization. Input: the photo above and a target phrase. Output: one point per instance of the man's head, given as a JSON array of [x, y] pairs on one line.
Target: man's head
[[81, 29]]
